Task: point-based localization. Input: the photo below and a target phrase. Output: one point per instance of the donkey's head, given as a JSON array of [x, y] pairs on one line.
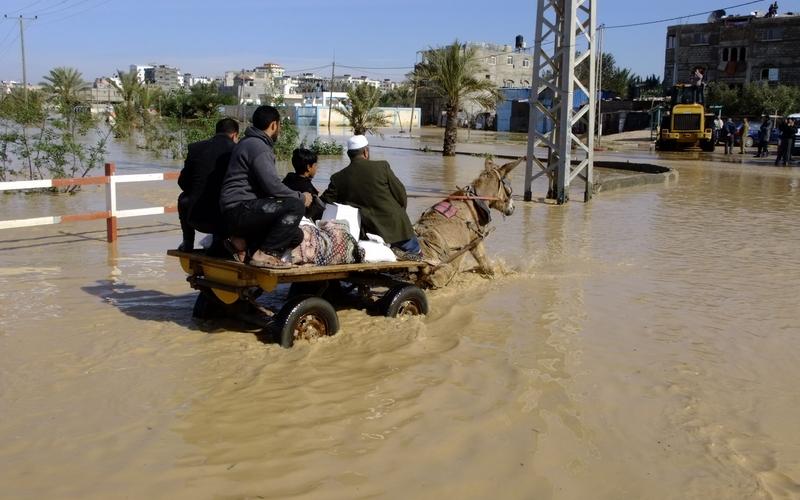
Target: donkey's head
[[492, 184]]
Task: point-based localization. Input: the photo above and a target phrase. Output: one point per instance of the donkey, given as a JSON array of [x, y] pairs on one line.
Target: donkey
[[459, 223]]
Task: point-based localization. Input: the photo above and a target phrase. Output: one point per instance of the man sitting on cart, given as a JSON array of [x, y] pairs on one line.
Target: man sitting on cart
[[261, 213], [380, 197]]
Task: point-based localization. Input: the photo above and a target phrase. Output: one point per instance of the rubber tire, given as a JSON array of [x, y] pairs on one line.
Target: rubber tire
[[393, 301], [207, 306], [707, 146], [748, 142], [294, 311]]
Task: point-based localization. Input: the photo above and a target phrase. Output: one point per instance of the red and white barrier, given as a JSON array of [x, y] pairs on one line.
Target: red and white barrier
[[111, 214]]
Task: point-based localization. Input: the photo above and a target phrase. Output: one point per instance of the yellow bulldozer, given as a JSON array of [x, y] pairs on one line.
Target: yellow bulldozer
[[686, 124]]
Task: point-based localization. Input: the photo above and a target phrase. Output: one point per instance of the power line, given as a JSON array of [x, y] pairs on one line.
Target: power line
[[27, 6], [307, 69], [50, 21], [63, 9], [376, 68], [46, 10], [645, 23], [8, 35]]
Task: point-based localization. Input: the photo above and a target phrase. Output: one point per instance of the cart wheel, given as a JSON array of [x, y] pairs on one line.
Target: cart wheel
[[404, 300], [305, 318], [208, 306]]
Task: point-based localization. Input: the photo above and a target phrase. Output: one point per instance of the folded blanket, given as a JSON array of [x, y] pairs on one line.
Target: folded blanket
[[327, 243]]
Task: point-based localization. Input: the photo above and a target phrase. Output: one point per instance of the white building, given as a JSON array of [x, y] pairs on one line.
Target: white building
[[140, 70], [189, 80]]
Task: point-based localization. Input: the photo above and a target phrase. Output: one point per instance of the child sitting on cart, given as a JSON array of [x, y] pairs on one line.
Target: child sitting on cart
[[305, 166]]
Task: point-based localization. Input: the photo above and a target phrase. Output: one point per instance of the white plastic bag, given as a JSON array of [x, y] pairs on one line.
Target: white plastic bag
[[337, 211], [376, 250]]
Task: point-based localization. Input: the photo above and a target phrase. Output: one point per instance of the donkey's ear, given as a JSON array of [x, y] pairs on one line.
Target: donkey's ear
[[488, 164], [508, 167]]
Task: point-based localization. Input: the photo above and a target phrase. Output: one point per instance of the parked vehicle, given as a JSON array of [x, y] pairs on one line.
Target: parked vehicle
[[796, 149], [752, 136]]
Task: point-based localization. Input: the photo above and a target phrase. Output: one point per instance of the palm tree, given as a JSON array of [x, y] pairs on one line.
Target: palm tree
[[450, 73], [64, 86], [359, 109], [129, 88]]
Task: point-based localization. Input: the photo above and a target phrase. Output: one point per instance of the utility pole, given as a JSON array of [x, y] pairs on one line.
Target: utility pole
[[560, 25], [22, 47], [600, 36], [414, 104], [330, 99]]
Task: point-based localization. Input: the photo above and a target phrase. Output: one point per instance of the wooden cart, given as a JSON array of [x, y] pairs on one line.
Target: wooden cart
[[230, 288]]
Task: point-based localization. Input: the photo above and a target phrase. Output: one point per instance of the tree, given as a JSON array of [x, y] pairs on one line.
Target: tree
[[359, 109], [754, 99], [402, 96], [129, 88], [64, 85], [450, 73]]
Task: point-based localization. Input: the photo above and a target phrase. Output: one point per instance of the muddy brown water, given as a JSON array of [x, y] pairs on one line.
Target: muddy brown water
[[642, 346]]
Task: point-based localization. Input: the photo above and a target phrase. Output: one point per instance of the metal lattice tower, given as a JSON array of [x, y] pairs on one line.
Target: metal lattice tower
[[564, 60]]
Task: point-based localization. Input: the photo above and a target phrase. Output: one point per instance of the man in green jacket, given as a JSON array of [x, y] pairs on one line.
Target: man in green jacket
[[380, 197]]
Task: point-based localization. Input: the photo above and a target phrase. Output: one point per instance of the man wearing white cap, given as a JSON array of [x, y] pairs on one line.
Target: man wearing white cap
[[380, 197]]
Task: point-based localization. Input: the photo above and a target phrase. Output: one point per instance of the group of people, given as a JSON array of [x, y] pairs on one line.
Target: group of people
[[231, 189], [726, 131], [786, 141]]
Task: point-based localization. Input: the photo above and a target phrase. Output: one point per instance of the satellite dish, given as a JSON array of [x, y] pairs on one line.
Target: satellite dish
[[716, 15]]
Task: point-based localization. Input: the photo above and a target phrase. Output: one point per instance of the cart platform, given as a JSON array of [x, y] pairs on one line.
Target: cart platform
[[225, 285]]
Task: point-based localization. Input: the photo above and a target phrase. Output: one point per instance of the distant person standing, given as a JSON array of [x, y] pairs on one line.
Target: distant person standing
[[697, 83], [718, 125], [787, 132], [745, 134], [728, 134], [201, 180], [763, 137]]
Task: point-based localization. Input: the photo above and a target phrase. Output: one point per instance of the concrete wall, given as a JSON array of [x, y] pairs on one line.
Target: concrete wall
[[317, 116], [512, 112]]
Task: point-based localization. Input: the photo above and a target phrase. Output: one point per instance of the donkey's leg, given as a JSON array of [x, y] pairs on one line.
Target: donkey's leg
[[484, 264]]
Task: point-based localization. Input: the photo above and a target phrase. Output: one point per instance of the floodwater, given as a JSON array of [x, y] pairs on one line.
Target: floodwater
[[640, 346]]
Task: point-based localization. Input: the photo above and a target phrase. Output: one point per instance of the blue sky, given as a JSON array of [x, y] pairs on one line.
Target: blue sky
[[206, 37]]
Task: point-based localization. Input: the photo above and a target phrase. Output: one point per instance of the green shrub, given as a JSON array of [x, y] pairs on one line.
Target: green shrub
[[325, 148]]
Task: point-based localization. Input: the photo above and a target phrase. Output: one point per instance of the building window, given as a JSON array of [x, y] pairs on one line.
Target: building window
[[510, 60], [493, 60], [770, 74], [526, 63], [700, 39], [772, 34], [736, 54], [670, 41]]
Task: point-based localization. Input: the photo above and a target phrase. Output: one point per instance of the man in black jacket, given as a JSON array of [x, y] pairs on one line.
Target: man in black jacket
[[201, 181], [788, 131], [258, 208]]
